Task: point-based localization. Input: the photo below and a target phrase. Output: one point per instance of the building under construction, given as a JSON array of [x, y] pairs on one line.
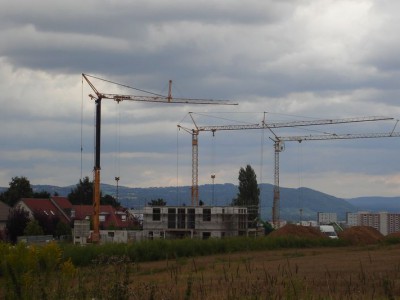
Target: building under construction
[[194, 222]]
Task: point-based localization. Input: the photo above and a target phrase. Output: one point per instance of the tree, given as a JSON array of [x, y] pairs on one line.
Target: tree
[[62, 229], [47, 222], [249, 194], [83, 194], [33, 228], [268, 228], [158, 202], [41, 195], [109, 200], [16, 223], [19, 187]]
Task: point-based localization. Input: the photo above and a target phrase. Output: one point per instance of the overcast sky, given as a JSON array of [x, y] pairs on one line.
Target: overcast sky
[[295, 60]]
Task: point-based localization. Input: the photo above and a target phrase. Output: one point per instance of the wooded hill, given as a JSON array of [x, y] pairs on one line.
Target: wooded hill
[[292, 200]]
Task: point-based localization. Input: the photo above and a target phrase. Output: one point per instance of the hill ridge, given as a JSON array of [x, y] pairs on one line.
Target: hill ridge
[[296, 203]]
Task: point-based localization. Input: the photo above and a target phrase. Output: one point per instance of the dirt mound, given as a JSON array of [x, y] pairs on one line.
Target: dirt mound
[[394, 235], [361, 235], [298, 231]]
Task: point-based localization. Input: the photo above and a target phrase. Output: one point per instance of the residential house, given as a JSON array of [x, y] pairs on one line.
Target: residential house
[[48, 207], [109, 216], [62, 208]]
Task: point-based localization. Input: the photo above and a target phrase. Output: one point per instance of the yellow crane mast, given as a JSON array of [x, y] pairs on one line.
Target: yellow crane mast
[[98, 97]]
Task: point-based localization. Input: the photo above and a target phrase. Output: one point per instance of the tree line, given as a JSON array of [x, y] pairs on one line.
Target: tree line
[[19, 222]]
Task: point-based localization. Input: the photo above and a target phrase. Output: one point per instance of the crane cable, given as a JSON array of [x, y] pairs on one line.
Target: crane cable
[[126, 86], [117, 153], [81, 128], [213, 147], [177, 163], [261, 169], [299, 178]]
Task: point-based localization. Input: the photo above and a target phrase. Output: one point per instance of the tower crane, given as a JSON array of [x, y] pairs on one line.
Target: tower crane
[[263, 125], [279, 147], [98, 97]]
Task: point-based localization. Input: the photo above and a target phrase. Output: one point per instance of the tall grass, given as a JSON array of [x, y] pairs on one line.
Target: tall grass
[[112, 271], [153, 250]]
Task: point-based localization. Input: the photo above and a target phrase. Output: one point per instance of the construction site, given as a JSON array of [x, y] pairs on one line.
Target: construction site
[[196, 220]]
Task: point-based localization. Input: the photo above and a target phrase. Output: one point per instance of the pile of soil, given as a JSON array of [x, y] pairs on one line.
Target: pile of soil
[[394, 235], [298, 231], [361, 235]]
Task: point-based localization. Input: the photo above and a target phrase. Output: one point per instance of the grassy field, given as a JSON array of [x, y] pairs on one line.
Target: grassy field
[[320, 273], [316, 271]]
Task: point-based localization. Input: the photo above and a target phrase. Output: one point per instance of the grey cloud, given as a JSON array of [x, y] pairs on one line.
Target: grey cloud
[[291, 58]]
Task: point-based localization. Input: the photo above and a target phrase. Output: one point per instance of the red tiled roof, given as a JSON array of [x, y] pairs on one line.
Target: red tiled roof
[[62, 202], [44, 206]]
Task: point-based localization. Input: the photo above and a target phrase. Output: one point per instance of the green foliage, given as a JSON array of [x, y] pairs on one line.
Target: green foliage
[[28, 272], [109, 200], [47, 222], [17, 220], [249, 193], [48, 272], [83, 194], [267, 227], [33, 228], [19, 187], [158, 202], [62, 229], [159, 249], [41, 195]]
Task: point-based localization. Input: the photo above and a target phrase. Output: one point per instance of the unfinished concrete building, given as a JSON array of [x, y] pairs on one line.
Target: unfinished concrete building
[[194, 222]]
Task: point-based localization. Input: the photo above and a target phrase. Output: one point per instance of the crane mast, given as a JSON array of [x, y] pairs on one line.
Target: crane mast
[[118, 98], [279, 147], [263, 125]]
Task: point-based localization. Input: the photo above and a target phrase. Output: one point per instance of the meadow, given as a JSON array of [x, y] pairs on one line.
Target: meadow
[[237, 268]]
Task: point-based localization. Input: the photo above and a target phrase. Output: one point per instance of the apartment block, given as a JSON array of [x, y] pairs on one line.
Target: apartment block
[[386, 223], [326, 218]]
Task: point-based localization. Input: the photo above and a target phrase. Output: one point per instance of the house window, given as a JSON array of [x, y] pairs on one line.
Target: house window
[[156, 214], [102, 218], [123, 218], [206, 214]]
